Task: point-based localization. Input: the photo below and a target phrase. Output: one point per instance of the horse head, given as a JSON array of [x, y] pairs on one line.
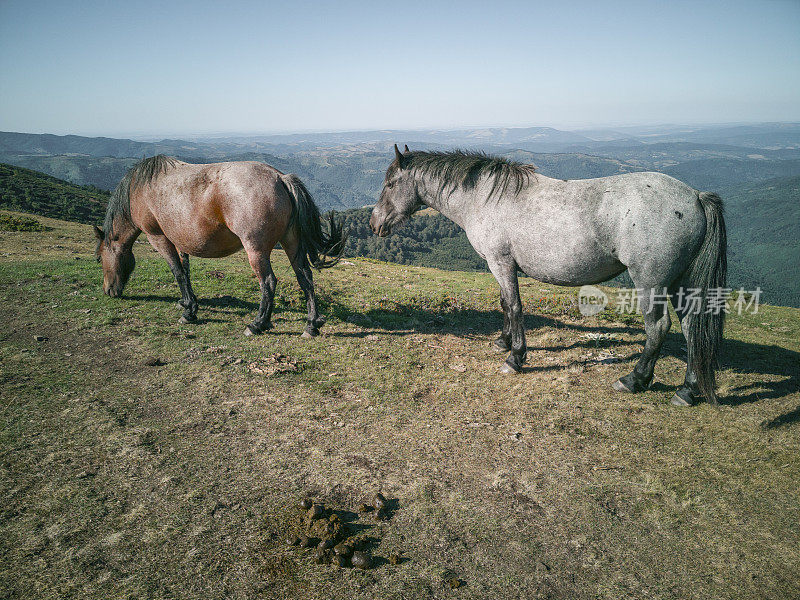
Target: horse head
[[399, 197], [117, 260]]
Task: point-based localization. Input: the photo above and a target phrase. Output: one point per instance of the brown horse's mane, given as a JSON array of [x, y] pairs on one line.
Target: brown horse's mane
[[465, 168], [142, 173]]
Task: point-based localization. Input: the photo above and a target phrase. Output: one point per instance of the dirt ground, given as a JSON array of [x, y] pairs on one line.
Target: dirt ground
[[141, 458]]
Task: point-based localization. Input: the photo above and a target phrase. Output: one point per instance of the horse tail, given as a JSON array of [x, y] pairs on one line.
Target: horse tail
[[323, 249], [708, 270]]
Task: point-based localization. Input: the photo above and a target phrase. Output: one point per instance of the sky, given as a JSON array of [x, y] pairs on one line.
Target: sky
[[171, 67]]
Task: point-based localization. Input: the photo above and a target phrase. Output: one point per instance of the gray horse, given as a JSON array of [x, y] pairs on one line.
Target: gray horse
[[668, 236]]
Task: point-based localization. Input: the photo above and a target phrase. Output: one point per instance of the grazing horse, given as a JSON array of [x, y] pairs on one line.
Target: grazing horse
[[670, 237], [210, 211]]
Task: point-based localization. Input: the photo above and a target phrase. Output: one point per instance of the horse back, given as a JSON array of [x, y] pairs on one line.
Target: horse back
[[588, 230], [212, 210]]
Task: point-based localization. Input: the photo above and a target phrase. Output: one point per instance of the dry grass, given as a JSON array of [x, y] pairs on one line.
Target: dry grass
[[121, 479]]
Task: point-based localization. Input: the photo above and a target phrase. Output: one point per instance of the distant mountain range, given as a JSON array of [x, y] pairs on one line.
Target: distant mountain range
[[345, 169]]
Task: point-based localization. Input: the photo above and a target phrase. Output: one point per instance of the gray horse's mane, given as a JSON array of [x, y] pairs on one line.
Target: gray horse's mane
[[465, 168], [142, 173]]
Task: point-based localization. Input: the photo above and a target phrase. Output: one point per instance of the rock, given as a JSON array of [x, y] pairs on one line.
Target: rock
[[292, 540], [153, 361], [305, 503], [41, 338]]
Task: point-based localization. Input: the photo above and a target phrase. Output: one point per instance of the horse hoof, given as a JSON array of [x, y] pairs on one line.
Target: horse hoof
[[307, 335], [678, 401], [185, 320], [507, 369], [683, 397], [249, 331], [621, 387]]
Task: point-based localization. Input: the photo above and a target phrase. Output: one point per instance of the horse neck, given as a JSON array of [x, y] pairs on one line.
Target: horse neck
[[126, 229], [454, 204]]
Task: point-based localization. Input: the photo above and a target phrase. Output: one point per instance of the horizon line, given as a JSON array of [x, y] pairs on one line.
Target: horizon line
[[132, 135]]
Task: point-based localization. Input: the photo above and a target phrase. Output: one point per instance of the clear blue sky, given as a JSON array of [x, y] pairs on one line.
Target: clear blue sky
[[172, 67]]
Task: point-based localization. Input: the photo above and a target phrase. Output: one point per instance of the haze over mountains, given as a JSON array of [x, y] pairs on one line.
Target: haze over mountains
[[756, 168]]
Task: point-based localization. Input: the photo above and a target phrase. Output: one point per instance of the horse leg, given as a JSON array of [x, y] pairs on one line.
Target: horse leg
[[267, 282], [503, 343], [192, 305], [505, 272], [687, 394], [188, 300], [302, 270], [656, 326]]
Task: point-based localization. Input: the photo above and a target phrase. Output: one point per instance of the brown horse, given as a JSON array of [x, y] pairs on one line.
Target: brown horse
[[213, 210]]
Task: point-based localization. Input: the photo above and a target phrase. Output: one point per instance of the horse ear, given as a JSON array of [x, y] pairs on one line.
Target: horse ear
[[406, 150], [98, 233], [400, 158]]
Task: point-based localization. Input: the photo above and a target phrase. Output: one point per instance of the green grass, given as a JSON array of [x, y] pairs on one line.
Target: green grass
[[127, 480]]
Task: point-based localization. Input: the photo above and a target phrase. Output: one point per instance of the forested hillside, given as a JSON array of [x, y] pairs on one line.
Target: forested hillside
[[427, 240], [764, 238], [37, 193]]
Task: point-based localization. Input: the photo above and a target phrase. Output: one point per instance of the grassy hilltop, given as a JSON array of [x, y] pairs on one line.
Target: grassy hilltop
[[143, 458]]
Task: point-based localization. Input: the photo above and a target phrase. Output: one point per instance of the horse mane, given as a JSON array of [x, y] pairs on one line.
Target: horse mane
[[142, 173], [465, 168]]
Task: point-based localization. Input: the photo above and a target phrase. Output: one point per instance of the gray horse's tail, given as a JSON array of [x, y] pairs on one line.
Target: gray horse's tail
[[708, 272], [323, 249]]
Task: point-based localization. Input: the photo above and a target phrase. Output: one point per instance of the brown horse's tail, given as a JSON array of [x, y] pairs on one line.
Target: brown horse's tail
[[323, 249], [708, 272]]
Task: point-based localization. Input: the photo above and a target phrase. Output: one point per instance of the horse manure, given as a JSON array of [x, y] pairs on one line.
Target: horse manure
[[316, 511], [292, 540], [361, 560], [340, 561], [343, 550], [305, 503], [379, 502]]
